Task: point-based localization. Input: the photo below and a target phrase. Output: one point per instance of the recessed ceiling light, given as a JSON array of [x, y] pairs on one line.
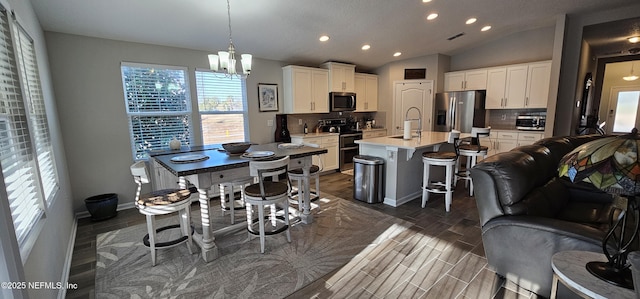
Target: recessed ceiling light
[[634, 39], [432, 16], [324, 38], [471, 21], [366, 47], [426, 1], [396, 54], [485, 28]]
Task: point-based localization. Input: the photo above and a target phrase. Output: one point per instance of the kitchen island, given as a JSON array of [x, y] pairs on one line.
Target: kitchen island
[[403, 162]]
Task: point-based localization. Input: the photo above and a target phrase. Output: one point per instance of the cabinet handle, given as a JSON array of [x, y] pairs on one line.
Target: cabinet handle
[[505, 102], [526, 101]]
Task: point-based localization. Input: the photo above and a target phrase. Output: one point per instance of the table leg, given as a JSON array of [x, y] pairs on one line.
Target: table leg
[[206, 240]]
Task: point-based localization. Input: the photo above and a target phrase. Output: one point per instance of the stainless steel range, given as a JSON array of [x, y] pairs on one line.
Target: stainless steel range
[[348, 148]]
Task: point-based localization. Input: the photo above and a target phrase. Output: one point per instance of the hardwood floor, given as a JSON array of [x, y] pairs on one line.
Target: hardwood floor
[[450, 262]]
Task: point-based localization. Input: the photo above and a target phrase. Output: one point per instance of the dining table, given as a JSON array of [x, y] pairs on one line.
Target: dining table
[[207, 166]]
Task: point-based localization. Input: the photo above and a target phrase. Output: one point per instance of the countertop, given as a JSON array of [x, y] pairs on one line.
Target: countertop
[[428, 139], [320, 134]]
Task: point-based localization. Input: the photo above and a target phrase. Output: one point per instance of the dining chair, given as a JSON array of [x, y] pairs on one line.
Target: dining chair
[[162, 202], [441, 158], [270, 191]]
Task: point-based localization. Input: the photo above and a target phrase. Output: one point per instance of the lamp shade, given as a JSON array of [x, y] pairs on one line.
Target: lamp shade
[[610, 164]]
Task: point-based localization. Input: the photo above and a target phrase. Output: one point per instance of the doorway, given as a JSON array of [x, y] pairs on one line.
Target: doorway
[[412, 93], [624, 109]]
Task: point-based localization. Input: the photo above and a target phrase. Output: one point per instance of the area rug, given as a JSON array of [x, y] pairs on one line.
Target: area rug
[[340, 231]]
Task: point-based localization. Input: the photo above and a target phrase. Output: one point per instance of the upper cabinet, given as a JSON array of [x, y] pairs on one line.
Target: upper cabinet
[[306, 90], [341, 76], [518, 86], [465, 80], [366, 88]]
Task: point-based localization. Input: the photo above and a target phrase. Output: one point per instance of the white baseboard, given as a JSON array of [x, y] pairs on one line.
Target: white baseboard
[[124, 206], [68, 258]]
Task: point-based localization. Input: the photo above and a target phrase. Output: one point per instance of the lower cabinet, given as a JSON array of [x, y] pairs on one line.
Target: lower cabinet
[[162, 178], [330, 160], [504, 141]]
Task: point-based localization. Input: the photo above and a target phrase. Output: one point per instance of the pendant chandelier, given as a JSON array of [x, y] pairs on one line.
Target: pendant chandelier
[[225, 61], [631, 76]]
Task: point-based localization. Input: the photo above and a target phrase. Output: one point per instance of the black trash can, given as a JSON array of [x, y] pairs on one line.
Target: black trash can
[[368, 179], [103, 206]]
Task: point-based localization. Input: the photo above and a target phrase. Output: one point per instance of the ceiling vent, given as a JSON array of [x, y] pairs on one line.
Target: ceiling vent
[[456, 36]]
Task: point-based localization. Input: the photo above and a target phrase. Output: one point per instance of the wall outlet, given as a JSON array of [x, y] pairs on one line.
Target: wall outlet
[[504, 117], [270, 123], [300, 121]]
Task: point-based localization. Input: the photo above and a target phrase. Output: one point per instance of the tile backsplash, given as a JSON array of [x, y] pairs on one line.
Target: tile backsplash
[[296, 121], [505, 119]]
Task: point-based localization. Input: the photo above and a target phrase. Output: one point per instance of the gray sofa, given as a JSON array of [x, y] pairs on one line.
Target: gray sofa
[[527, 213]]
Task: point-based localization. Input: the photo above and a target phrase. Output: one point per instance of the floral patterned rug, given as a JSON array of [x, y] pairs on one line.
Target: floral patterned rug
[[341, 230]]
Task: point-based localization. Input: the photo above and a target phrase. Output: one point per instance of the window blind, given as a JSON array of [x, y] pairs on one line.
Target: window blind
[[158, 105], [19, 167], [37, 114], [223, 107]]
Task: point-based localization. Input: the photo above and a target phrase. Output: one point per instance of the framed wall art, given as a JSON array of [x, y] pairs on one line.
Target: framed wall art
[[267, 97]]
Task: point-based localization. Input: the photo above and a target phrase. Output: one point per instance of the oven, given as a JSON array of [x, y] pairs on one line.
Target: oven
[[348, 149]]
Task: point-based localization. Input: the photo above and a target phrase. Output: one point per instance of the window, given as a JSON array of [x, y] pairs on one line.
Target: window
[[223, 107], [20, 171], [158, 106], [37, 115]]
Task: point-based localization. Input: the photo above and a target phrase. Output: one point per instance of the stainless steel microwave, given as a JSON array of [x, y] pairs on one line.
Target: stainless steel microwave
[[342, 101], [530, 122]]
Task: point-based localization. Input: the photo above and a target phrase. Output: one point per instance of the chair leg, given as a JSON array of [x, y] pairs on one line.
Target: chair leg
[[318, 185], [425, 184], [151, 229], [232, 208], [449, 194], [474, 160], [249, 210], [261, 223], [185, 225], [299, 184], [286, 220]]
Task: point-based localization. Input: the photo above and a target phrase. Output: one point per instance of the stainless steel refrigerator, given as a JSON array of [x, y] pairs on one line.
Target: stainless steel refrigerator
[[459, 110]]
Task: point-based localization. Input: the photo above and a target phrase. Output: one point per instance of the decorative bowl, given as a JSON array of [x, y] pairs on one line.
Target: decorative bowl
[[236, 147]]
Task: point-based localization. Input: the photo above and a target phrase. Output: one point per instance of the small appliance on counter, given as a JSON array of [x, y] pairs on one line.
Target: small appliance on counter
[[530, 122]]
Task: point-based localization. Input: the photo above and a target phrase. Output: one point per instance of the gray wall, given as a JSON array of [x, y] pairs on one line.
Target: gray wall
[[571, 62], [46, 261], [88, 87], [526, 46]]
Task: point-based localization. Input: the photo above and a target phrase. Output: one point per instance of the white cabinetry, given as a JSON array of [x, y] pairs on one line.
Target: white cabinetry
[[162, 178], [518, 86], [341, 76], [329, 161], [465, 80], [504, 141], [306, 90], [366, 88], [374, 133]]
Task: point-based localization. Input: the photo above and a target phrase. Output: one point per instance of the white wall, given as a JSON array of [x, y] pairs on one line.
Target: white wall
[[46, 261], [88, 86]]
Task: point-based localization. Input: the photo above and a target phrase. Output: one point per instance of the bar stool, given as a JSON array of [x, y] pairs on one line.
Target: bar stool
[[232, 186], [162, 202], [440, 158], [471, 151], [268, 193], [298, 175]]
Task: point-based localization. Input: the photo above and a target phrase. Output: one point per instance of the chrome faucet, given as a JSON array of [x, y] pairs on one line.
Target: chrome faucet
[[419, 119]]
